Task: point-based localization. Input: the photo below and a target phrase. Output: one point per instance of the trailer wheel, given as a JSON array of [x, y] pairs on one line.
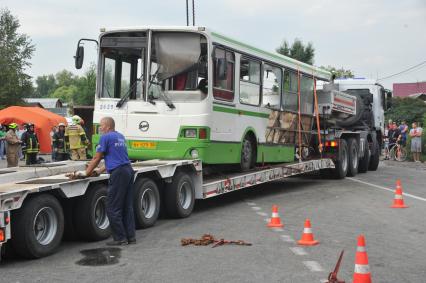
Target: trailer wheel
[[365, 159], [353, 157], [90, 217], [180, 196], [38, 227], [342, 164], [146, 204], [375, 158], [248, 154]]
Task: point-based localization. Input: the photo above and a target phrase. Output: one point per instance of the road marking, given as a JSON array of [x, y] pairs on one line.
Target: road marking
[[267, 219], [386, 189], [277, 229], [251, 203], [298, 251], [287, 238], [256, 208], [313, 266], [264, 214]]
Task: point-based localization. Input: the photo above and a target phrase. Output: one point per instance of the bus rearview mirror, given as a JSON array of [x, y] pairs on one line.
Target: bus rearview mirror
[[79, 57]]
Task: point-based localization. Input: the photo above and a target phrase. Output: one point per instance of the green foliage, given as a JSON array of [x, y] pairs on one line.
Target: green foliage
[[298, 51], [46, 85], [407, 109], [15, 52], [339, 73]]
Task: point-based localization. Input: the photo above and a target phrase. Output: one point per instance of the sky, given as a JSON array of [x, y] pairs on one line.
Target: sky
[[373, 38]]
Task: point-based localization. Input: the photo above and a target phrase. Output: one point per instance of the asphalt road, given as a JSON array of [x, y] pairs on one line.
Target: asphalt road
[[339, 210]]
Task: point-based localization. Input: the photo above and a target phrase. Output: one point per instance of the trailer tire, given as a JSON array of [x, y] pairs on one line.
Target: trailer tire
[[38, 227], [146, 205], [353, 157], [90, 218], [375, 158], [248, 153], [180, 196], [365, 160], [341, 167]]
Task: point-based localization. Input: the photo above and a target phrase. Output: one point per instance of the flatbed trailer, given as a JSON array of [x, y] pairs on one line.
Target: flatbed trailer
[[36, 213]]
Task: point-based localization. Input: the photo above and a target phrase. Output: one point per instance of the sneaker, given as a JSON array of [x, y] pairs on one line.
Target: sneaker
[[117, 243], [131, 241]]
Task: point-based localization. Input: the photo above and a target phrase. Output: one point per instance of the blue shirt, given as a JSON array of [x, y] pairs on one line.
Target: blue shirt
[[113, 146]]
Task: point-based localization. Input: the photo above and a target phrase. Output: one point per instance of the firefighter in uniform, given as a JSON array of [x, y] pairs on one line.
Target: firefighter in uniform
[[76, 139], [30, 145], [13, 146], [58, 141]]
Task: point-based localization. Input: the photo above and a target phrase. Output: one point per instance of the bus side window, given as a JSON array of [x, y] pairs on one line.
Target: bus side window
[[289, 101], [306, 95], [250, 81], [271, 87], [223, 68]]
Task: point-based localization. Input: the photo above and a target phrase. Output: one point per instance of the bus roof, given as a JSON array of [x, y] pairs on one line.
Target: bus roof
[[237, 45]]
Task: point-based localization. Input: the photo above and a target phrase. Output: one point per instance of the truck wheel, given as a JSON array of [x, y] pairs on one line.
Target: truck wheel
[[365, 159], [180, 196], [353, 157], [341, 166], [38, 227], [146, 203], [90, 215], [248, 154], [375, 158]]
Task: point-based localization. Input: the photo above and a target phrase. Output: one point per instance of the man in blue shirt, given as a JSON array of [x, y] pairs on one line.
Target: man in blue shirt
[[112, 148]]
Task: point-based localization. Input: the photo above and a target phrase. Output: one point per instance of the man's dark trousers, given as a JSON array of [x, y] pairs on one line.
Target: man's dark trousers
[[120, 203]]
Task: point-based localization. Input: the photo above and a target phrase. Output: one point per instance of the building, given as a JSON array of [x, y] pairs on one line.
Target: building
[[407, 89], [54, 105]]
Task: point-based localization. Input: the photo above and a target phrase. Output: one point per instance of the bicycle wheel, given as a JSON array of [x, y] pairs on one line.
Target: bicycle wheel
[[401, 154], [392, 155]]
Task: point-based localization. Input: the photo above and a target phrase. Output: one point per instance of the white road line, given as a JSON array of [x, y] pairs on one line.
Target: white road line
[[277, 229], [264, 214], [287, 238], [251, 203], [256, 208], [386, 189], [267, 219], [298, 251], [313, 266]]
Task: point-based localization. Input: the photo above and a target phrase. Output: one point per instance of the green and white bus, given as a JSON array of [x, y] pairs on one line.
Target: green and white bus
[[189, 92]]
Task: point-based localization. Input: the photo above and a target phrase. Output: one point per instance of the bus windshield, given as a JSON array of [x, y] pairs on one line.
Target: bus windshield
[[178, 67]]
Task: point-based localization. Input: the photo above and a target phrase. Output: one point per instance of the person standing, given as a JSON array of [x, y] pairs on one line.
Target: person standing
[[30, 145], [416, 141], [58, 143], [112, 148], [13, 146], [2, 141], [403, 128], [76, 139]]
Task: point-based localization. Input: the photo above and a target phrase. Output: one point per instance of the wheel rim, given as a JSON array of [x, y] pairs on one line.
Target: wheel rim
[[185, 195], [246, 151], [45, 225], [101, 218], [148, 203]]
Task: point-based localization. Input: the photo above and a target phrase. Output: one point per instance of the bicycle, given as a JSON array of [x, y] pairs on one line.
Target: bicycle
[[397, 152]]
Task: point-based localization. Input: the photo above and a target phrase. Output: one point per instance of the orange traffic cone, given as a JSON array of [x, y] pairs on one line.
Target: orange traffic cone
[[275, 219], [362, 270], [307, 236], [398, 201]]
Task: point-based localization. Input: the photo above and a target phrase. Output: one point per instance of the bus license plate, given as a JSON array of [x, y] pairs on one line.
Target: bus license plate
[[148, 145]]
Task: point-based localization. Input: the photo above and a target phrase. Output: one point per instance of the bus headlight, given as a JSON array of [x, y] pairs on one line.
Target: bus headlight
[[190, 133], [194, 153]]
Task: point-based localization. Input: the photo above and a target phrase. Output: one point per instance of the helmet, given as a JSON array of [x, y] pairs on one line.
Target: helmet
[[61, 125], [29, 125], [76, 119], [13, 126]]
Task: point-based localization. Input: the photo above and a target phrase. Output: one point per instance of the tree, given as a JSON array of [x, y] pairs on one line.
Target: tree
[[339, 73], [298, 51], [407, 109], [15, 52], [46, 85], [87, 87]]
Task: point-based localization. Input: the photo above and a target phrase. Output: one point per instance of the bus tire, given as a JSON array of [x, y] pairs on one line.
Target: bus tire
[[90, 217], [248, 153], [341, 167], [353, 157], [375, 157], [365, 159], [179, 196], [38, 227], [146, 205]]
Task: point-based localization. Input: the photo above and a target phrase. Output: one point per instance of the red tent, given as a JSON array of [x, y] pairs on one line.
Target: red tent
[[43, 120]]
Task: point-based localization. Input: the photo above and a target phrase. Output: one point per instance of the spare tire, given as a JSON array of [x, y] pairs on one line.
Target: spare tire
[[360, 107]]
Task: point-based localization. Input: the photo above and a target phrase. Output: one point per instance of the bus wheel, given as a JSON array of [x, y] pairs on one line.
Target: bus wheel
[[180, 196], [38, 227], [90, 215], [146, 205], [353, 157], [365, 159], [342, 163], [374, 160], [248, 154]]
